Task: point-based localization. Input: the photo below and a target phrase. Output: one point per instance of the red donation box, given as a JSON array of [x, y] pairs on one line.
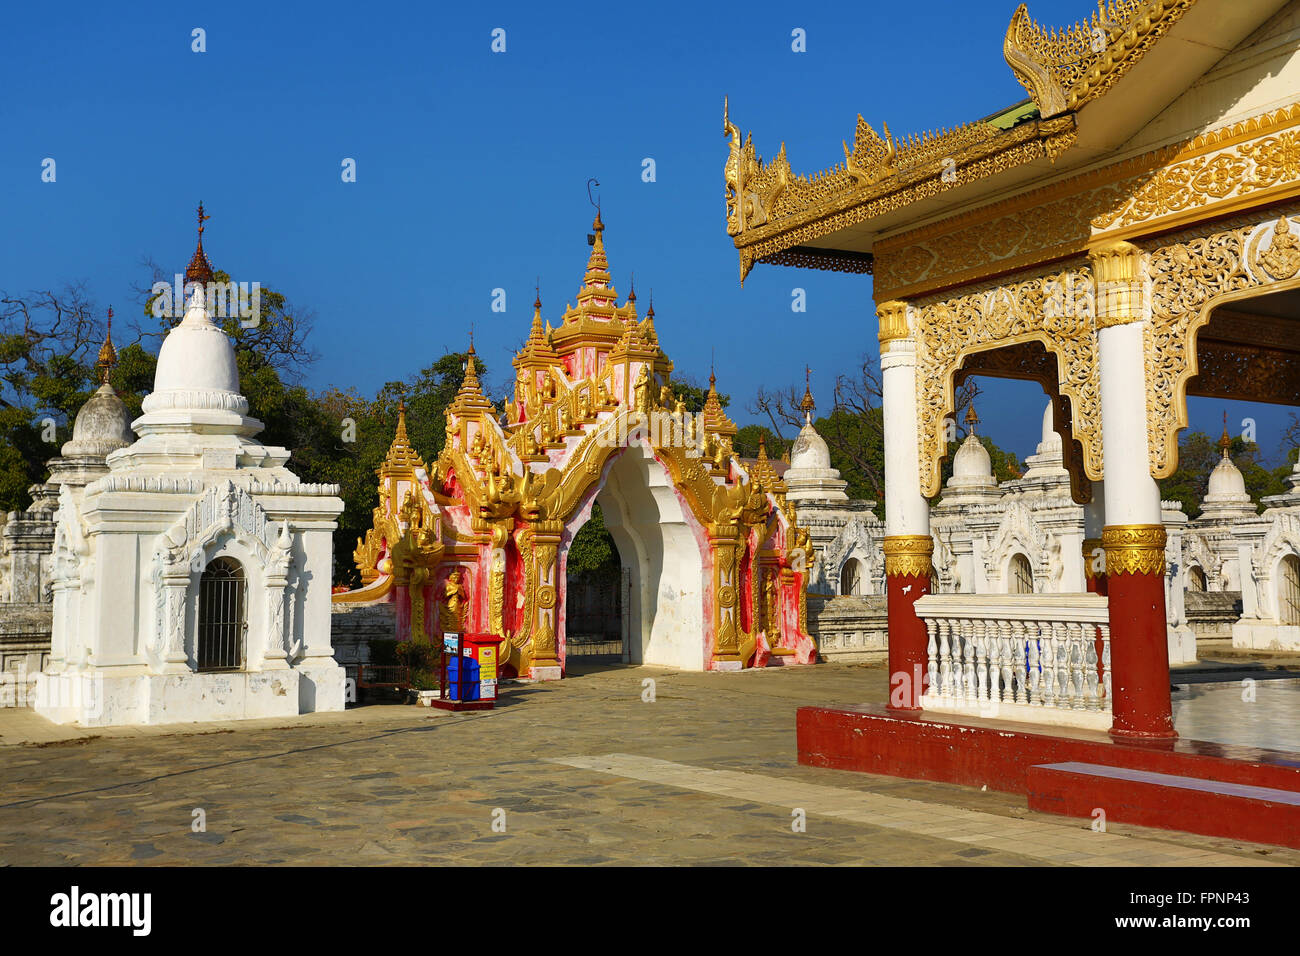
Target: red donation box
[[468, 672]]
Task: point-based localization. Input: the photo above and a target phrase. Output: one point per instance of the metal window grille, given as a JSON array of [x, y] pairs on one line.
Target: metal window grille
[[1289, 590], [1196, 579], [222, 616], [1022, 576]]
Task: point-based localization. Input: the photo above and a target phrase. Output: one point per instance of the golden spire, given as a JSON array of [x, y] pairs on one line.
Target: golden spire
[[715, 419], [807, 405], [1224, 440], [537, 349], [402, 459], [199, 269], [597, 265], [107, 354], [470, 398], [762, 447], [971, 418]]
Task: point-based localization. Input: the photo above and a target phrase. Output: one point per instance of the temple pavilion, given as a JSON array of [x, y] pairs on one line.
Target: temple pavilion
[[1126, 236]]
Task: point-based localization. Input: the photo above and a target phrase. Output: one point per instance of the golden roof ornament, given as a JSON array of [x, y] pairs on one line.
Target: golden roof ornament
[[972, 419], [199, 269], [107, 354], [807, 405], [1224, 441], [715, 419], [470, 399], [401, 460]]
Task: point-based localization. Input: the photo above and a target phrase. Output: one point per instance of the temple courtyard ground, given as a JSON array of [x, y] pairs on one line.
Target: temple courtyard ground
[[579, 772]]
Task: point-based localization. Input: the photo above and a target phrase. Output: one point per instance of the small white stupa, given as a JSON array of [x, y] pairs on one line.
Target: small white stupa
[[1226, 497], [192, 582], [810, 476], [972, 481]]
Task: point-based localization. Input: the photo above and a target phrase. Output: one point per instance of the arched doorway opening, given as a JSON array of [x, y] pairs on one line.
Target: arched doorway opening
[[851, 577], [223, 618], [658, 542], [1020, 575]]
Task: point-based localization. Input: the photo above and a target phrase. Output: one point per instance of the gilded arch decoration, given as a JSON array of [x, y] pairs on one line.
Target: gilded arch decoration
[[1054, 310], [1191, 274]]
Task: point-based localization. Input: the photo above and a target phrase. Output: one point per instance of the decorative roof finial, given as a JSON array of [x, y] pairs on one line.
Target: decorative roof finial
[[199, 269], [971, 418], [1224, 440], [631, 295], [107, 354], [807, 405]]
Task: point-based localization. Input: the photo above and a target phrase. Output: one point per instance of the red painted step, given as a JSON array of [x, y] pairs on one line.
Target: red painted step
[[1169, 801]]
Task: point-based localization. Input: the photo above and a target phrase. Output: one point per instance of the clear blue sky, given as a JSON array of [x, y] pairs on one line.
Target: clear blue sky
[[471, 165]]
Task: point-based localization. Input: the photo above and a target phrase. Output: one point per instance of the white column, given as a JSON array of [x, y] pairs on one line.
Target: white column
[[1132, 496], [906, 511]]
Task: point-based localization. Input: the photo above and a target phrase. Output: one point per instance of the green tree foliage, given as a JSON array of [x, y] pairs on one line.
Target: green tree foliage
[[746, 442], [593, 553], [694, 396], [1198, 454]]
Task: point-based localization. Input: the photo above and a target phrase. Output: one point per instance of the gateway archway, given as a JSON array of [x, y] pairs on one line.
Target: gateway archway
[[478, 542], [658, 544]]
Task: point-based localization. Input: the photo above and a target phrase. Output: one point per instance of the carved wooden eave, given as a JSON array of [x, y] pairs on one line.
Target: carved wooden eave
[[1133, 56]]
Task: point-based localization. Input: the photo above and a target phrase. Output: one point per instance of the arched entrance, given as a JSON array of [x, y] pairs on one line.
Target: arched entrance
[[660, 552]]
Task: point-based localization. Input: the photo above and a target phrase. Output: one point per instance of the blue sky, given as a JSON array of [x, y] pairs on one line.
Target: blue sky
[[471, 165]]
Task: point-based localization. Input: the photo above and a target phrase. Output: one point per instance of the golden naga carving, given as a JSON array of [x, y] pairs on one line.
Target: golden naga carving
[[1064, 69], [908, 555], [752, 187], [1134, 549]]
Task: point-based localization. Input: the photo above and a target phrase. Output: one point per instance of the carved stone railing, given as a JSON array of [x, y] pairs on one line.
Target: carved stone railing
[[1033, 657]]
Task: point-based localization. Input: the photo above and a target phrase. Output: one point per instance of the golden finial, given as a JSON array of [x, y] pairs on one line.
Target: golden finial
[[107, 354], [631, 295], [807, 405], [762, 447], [1224, 440], [971, 418], [199, 269]]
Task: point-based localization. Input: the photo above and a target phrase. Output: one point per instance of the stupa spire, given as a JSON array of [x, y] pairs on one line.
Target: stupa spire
[[401, 458], [597, 274], [199, 269], [807, 405], [107, 354], [972, 419], [1224, 441]]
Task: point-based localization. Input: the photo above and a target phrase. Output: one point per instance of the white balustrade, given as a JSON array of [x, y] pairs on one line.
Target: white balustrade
[[1036, 657]]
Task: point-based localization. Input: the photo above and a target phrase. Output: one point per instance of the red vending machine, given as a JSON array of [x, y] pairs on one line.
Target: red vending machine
[[468, 672]]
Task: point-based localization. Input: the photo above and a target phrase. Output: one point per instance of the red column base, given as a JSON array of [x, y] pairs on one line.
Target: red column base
[[1139, 658], [907, 640]]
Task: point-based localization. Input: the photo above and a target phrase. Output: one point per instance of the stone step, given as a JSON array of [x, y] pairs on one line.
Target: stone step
[[1169, 801]]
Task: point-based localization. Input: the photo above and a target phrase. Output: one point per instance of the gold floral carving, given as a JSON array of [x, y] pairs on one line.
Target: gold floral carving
[[1134, 549], [1055, 310], [908, 555], [1165, 187], [1117, 267], [1190, 273]]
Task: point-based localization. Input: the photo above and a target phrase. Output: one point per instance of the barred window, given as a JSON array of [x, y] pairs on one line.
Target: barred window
[[1288, 590], [851, 577], [222, 616], [1195, 578]]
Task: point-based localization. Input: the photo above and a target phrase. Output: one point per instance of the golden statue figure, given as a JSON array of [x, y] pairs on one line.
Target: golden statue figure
[[452, 602], [1282, 258]]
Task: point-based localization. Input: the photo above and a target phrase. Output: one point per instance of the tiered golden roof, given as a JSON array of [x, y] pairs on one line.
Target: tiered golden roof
[[199, 269], [715, 419], [597, 320], [470, 402], [401, 460]]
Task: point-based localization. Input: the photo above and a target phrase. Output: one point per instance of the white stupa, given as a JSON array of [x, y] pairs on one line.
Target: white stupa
[[192, 582], [972, 481], [1226, 498], [810, 476]]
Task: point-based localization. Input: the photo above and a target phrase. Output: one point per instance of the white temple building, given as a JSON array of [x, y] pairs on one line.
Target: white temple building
[[192, 582], [1023, 536]]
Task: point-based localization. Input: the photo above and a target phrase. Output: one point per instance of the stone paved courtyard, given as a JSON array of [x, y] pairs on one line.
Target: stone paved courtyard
[[584, 771]]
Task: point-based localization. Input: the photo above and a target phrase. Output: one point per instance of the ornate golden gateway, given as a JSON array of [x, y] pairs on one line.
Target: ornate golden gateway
[[499, 507]]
